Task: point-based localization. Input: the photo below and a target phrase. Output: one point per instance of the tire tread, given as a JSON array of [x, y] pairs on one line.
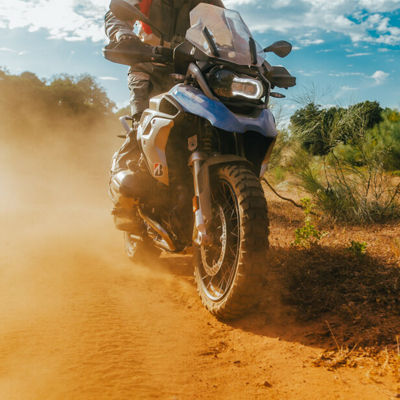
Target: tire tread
[[254, 230]]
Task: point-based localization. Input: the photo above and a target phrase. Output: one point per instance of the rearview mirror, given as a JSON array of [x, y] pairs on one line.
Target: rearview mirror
[[281, 48], [124, 10]]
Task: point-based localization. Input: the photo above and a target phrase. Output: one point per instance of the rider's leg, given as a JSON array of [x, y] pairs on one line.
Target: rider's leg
[[129, 182], [143, 81], [125, 182], [140, 87]]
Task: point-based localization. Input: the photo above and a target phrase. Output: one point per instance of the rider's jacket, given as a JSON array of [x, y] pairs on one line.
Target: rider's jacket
[[171, 17]]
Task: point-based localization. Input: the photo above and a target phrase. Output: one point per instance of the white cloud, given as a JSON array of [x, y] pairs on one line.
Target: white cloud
[[343, 74], [18, 53], [358, 54], [108, 78], [63, 19], [308, 42], [308, 73], [347, 88], [379, 77], [7, 50], [380, 5], [361, 20]]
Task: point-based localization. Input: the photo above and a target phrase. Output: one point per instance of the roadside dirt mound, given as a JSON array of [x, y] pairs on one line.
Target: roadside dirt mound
[[79, 321]]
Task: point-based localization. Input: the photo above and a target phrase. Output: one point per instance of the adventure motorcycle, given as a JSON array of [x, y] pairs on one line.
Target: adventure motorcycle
[[206, 143]]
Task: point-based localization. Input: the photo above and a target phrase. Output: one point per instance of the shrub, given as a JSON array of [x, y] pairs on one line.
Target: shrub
[[308, 234], [349, 182], [279, 174], [352, 194], [358, 249], [319, 129]]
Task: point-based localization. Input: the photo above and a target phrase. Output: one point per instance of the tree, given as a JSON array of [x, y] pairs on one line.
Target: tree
[[311, 125], [80, 95], [319, 130], [27, 102]]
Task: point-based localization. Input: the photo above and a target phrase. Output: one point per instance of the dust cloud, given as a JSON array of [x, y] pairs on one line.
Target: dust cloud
[[78, 320], [57, 237]]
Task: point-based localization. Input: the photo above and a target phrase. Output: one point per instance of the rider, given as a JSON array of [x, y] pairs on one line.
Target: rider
[[171, 17]]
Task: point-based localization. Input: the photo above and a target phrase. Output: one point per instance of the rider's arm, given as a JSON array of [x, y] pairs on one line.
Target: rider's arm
[[116, 28]]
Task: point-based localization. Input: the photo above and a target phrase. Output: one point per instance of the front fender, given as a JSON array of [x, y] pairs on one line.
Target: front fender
[[203, 179], [194, 101]]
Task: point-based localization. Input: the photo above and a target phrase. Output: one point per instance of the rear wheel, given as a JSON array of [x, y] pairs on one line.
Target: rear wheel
[[230, 271], [140, 250]]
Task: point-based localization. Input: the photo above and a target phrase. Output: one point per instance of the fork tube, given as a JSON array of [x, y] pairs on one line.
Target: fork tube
[[200, 234]]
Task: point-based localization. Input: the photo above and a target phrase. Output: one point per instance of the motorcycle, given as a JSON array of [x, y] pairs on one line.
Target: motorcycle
[[206, 144]]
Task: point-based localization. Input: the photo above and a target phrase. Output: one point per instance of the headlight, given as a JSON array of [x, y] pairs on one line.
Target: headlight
[[227, 84]]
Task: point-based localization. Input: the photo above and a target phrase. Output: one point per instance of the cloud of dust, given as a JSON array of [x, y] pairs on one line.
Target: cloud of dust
[[53, 199], [60, 254]]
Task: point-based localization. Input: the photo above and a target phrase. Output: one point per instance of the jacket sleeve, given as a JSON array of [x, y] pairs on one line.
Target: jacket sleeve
[[113, 25]]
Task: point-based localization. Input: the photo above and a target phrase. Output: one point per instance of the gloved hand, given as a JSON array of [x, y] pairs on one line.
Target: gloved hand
[[164, 51], [125, 36], [130, 42]]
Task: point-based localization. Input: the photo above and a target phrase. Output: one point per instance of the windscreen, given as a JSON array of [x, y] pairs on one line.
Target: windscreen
[[226, 29]]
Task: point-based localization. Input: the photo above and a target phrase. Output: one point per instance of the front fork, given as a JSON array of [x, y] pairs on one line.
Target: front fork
[[201, 163], [200, 236]]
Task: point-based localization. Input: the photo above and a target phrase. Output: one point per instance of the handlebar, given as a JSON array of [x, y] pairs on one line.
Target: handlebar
[[123, 53]]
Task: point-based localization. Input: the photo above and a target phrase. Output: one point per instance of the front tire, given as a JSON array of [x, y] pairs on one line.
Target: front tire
[[230, 272]]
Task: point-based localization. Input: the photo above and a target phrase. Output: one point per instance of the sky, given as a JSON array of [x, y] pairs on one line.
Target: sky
[[344, 51]]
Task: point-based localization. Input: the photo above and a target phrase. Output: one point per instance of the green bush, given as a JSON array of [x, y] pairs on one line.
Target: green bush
[[319, 129], [282, 143], [352, 194], [279, 174], [308, 235], [386, 136], [358, 249], [342, 158]]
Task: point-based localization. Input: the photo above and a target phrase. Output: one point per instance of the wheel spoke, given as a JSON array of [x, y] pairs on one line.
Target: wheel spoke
[[219, 259]]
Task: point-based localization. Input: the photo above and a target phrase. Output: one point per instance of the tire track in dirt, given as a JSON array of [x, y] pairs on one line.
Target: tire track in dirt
[[79, 321]]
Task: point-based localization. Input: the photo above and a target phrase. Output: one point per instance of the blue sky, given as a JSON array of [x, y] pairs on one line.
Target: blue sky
[[345, 51]]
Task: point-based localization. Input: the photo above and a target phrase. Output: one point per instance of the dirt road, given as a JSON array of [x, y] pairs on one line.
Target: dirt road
[[80, 321]]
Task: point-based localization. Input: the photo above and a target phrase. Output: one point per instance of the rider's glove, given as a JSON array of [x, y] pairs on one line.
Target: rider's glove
[[163, 51], [126, 36]]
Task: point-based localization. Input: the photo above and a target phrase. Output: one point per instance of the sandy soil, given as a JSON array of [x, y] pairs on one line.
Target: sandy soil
[[80, 321]]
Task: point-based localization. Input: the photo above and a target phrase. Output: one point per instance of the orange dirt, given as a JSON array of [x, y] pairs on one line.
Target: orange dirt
[[80, 321]]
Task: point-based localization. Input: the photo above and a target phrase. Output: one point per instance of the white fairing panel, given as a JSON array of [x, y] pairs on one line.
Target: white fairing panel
[[153, 133]]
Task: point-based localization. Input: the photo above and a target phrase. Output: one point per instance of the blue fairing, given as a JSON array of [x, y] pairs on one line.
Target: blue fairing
[[194, 101]]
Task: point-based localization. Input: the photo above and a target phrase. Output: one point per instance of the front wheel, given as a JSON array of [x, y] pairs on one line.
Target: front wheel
[[230, 271]]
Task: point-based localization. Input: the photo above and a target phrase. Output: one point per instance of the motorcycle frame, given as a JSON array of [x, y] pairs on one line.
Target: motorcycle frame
[[162, 115]]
